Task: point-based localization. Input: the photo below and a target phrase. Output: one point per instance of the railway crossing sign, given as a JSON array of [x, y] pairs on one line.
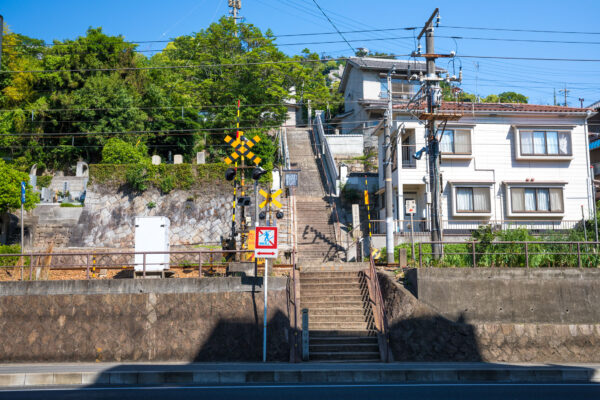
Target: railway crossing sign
[[242, 147], [270, 198], [265, 243]]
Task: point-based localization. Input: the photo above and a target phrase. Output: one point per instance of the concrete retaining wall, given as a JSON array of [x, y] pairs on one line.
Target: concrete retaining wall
[[419, 332], [545, 295], [211, 319]]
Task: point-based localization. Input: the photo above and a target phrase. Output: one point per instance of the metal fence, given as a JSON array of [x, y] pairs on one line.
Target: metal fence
[[420, 226], [123, 264], [527, 254]]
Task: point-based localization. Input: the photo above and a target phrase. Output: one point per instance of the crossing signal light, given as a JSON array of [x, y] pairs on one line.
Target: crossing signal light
[[230, 174], [244, 201], [257, 173], [279, 214], [262, 215]]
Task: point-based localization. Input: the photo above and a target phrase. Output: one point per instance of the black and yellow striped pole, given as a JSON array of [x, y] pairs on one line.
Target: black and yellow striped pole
[[368, 214]]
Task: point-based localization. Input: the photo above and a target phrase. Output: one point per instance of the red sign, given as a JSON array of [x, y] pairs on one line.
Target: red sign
[[265, 242]]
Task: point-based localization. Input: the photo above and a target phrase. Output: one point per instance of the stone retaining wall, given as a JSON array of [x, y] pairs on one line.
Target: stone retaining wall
[[211, 319], [420, 333]]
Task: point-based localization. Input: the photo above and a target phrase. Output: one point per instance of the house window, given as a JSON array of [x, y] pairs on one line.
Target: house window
[[401, 89], [408, 150], [545, 143], [539, 199], [456, 141], [473, 199]]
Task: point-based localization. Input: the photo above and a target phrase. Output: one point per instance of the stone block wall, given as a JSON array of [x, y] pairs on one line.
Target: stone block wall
[[420, 333], [210, 319], [198, 217]]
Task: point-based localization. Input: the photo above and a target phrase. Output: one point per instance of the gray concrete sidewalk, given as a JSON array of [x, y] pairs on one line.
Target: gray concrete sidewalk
[[12, 375]]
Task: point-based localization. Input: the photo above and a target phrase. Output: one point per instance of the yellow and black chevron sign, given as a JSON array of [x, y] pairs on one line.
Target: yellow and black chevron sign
[[242, 148]]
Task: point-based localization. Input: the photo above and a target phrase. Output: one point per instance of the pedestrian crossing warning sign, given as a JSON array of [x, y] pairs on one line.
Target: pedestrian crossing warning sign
[[265, 245]]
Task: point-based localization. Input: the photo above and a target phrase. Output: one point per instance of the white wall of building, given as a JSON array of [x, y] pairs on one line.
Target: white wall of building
[[493, 160]]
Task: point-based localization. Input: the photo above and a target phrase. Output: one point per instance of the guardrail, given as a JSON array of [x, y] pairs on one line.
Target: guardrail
[[23, 266], [331, 184], [526, 254], [376, 299], [463, 227], [330, 169]]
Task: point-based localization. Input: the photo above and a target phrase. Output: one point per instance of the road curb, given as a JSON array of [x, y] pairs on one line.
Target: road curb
[[400, 375]]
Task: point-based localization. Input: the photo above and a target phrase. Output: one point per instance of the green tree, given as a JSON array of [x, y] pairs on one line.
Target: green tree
[[10, 189], [512, 97], [117, 151]]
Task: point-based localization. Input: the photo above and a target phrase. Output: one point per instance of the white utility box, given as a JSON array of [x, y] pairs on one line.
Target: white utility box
[[152, 234]]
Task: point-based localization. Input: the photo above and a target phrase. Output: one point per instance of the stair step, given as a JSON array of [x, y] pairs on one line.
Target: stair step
[[312, 292], [326, 304], [342, 339], [344, 347], [345, 355], [336, 311], [330, 283], [340, 326], [331, 298], [337, 319], [348, 333]]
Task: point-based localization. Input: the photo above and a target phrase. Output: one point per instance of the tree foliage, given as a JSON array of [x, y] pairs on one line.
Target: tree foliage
[[10, 189], [117, 151], [72, 110]]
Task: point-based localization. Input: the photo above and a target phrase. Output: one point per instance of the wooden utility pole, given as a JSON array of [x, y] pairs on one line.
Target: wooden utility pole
[[432, 115]]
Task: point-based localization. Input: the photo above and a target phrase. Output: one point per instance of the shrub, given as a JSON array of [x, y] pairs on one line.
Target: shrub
[[70, 205], [10, 249], [117, 151], [166, 184], [137, 177]]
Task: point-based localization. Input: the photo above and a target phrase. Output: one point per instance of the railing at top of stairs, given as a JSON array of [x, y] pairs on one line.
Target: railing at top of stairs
[[381, 323], [329, 168]]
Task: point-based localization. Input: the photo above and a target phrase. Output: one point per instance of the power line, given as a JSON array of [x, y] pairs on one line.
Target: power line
[[283, 62], [481, 28], [335, 27]]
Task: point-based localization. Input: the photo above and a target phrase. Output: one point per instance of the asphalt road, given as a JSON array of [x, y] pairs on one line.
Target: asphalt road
[[315, 392]]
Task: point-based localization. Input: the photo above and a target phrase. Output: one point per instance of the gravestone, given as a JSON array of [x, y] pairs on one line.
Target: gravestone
[[155, 160], [178, 159], [200, 157], [82, 169]]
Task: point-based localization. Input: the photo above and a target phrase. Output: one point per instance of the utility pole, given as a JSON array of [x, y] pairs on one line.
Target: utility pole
[[236, 6], [432, 116], [581, 100], [565, 91], [554, 96], [387, 167]]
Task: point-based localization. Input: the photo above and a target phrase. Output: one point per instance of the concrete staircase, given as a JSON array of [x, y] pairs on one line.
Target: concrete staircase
[[315, 222], [341, 326]]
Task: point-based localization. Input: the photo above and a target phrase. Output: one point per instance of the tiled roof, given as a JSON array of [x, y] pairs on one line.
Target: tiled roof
[[504, 107], [385, 64]]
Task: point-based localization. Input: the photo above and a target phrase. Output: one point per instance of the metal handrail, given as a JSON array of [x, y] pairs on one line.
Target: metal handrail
[[379, 306], [331, 171], [330, 185]]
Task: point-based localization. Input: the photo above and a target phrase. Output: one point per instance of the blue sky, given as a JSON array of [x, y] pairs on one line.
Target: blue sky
[[159, 20]]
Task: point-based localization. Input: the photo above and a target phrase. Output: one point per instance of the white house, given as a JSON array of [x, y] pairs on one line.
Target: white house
[[364, 85], [502, 164]]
